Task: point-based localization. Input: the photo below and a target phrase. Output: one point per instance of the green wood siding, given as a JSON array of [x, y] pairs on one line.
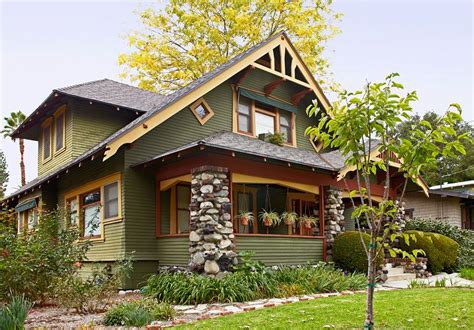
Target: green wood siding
[[86, 125], [112, 247], [172, 251], [284, 250]]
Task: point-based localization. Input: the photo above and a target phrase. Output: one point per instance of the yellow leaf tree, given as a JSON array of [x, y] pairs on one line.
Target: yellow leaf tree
[[191, 37]]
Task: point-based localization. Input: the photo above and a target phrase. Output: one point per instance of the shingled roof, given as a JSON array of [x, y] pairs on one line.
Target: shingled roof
[[115, 93], [332, 161]]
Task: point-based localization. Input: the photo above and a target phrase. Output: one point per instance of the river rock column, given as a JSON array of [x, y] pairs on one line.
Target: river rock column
[[333, 217], [211, 239]]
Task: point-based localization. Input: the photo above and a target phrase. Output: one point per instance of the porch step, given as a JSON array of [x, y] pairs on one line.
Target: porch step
[[396, 271], [401, 277]]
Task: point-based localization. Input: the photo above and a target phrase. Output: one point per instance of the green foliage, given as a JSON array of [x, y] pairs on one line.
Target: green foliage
[[248, 264], [277, 139], [349, 254], [180, 288], [464, 237], [3, 174], [32, 262], [417, 284], [440, 250], [13, 315], [187, 39], [94, 293], [467, 273], [452, 169], [12, 123], [138, 313]]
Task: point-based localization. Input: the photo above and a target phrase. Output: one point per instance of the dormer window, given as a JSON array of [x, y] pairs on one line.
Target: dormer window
[[59, 130], [202, 111], [46, 140]]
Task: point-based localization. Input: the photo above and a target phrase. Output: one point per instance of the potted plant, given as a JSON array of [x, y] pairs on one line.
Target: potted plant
[[289, 218], [308, 221], [245, 218], [269, 218]]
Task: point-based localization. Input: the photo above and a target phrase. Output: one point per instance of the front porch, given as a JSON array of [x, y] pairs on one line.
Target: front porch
[[200, 194]]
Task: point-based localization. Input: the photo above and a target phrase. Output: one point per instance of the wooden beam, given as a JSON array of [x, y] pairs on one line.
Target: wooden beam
[[279, 74], [272, 59], [293, 68], [296, 99], [269, 88], [243, 74]]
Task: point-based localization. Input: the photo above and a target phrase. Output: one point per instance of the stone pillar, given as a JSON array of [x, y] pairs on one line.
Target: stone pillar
[[211, 239], [333, 217]]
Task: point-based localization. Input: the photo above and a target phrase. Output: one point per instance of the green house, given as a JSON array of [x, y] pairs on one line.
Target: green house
[[166, 177]]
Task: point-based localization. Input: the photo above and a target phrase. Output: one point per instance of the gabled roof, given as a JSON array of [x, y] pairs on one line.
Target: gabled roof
[[196, 89], [105, 91], [230, 141]]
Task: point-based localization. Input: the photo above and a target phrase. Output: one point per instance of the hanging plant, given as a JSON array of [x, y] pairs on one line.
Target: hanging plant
[[246, 218], [308, 222], [269, 218], [289, 218]]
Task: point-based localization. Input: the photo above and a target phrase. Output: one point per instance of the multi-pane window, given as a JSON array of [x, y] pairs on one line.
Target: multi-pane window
[[72, 208], [245, 112], [111, 200], [255, 118], [32, 218], [47, 141], [90, 208], [174, 209], [59, 131]]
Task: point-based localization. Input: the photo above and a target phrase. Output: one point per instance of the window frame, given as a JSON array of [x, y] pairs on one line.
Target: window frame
[[254, 108], [60, 111], [48, 123], [99, 184], [193, 107]]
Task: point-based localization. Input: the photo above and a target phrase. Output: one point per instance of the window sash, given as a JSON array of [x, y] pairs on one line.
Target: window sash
[[59, 132], [111, 200], [47, 142]]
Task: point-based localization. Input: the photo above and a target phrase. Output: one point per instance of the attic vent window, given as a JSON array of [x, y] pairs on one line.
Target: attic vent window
[[202, 111]]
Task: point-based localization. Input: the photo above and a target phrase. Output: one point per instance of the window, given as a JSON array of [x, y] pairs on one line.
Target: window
[[22, 220], [174, 209], [285, 126], [245, 121], [47, 141], [32, 218], [254, 118], [202, 111], [183, 197], [59, 130], [111, 200], [94, 205], [27, 219]]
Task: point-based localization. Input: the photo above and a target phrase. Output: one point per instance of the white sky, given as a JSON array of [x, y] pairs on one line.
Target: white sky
[[46, 45]]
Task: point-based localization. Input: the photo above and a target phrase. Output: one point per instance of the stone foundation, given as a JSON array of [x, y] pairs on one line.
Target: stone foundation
[[334, 217], [211, 240]]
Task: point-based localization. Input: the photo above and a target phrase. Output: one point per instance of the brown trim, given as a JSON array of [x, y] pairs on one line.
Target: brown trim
[[157, 208], [322, 220], [278, 235]]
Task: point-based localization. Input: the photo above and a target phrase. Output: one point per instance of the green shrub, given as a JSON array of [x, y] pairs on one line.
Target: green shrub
[[138, 313], [467, 273], [349, 254], [464, 237], [440, 250], [13, 315], [31, 262], [180, 288], [94, 293]]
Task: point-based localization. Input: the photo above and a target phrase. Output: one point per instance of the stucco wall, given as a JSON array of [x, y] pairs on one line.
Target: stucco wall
[[435, 207]]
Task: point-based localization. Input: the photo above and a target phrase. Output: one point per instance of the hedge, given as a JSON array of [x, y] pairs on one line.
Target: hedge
[[349, 254], [440, 250]]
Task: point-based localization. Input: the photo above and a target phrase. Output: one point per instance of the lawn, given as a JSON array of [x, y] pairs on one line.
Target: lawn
[[439, 308]]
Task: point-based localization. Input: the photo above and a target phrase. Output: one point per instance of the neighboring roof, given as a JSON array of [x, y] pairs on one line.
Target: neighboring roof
[[453, 185], [115, 93], [251, 146], [107, 92], [452, 193]]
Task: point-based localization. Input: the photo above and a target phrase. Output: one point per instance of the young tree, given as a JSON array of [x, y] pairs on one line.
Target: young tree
[[12, 123], [451, 169], [189, 38], [357, 123], [3, 174]]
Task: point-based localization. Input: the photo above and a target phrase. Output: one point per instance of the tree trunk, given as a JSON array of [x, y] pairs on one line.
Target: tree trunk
[[371, 272], [22, 162]]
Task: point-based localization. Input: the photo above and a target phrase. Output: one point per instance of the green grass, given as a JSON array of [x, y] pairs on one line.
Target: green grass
[[434, 308], [467, 273]]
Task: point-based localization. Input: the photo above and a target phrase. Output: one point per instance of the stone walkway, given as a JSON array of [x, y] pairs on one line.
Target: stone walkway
[[450, 280], [191, 313]]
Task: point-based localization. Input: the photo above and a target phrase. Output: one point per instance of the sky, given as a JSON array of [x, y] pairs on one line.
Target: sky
[[47, 45]]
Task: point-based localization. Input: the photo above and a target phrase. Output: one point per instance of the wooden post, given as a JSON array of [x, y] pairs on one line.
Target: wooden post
[[322, 220]]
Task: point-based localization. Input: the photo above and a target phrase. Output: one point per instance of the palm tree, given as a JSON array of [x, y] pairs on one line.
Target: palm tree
[[12, 123]]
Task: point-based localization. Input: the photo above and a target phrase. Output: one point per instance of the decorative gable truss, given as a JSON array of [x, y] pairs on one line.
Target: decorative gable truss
[[276, 55]]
